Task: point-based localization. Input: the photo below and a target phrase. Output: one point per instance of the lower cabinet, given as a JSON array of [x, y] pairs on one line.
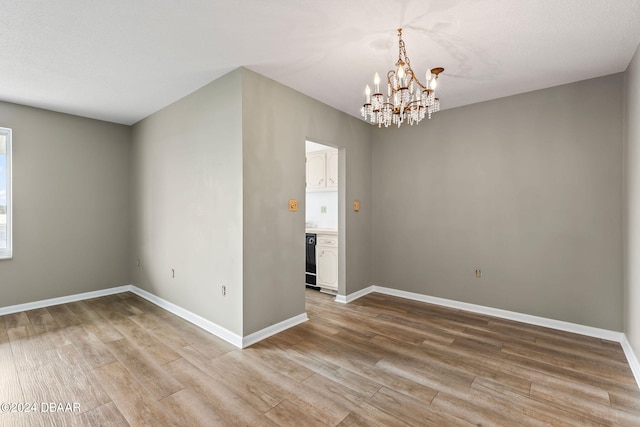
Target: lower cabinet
[[327, 262]]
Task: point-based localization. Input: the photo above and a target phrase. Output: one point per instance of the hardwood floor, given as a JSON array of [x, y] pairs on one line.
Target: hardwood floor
[[378, 361]]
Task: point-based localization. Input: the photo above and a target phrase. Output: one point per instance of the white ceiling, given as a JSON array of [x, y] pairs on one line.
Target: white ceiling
[[121, 60]]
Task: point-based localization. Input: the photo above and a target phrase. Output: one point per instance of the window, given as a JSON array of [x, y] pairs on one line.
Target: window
[[5, 193]]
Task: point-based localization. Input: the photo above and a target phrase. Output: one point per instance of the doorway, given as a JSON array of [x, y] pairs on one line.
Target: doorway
[[322, 213]]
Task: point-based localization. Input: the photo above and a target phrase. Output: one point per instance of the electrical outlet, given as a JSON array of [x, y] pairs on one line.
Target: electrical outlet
[[138, 262], [323, 209], [224, 291]]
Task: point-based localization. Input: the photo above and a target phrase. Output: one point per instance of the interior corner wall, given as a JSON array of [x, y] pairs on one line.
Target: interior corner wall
[[70, 205], [276, 122], [526, 188], [187, 203], [632, 203]]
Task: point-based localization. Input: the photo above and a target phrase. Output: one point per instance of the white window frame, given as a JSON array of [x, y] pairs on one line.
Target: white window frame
[[8, 252]]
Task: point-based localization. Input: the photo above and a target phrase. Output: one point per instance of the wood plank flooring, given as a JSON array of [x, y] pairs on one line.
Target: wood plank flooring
[[379, 361]]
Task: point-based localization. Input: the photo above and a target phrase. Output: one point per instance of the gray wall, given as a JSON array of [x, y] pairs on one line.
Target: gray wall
[[632, 203], [187, 202], [528, 188], [70, 196], [276, 122], [213, 174]]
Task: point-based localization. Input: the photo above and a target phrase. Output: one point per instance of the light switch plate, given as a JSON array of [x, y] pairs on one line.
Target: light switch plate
[[356, 205], [293, 205]]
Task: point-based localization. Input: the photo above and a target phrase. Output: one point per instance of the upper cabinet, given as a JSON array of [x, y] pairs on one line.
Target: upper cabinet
[[316, 170], [332, 169], [322, 170]]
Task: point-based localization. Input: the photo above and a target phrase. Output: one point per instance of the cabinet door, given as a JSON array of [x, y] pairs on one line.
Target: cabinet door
[[332, 169], [327, 272], [316, 170]]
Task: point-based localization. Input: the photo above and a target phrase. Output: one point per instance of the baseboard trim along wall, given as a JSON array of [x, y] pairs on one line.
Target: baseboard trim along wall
[[215, 329], [273, 329], [197, 320], [634, 362], [207, 325], [62, 300], [354, 296], [506, 314], [605, 334]]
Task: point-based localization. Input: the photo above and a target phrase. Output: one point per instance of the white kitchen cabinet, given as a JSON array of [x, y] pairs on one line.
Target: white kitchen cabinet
[[316, 170], [332, 169], [327, 262], [322, 170]]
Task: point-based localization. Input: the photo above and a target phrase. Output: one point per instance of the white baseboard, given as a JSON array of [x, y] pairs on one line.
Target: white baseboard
[[354, 296], [62, 300], [495, 312], [505, 314], [197, 320], [214, 328], [273, 329], [207, 325], [605, 334], [634, 362]]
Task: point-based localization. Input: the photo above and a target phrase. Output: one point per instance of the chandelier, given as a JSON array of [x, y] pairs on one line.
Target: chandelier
[[407, 100]]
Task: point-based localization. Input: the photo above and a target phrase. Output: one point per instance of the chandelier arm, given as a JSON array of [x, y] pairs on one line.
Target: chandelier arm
[[415, 79], [390, 75]]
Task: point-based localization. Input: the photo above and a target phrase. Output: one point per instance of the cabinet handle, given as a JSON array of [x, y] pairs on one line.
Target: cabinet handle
[[327, 241]]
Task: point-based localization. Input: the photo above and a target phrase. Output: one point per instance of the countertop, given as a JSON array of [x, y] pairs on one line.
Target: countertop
[[333, 231]]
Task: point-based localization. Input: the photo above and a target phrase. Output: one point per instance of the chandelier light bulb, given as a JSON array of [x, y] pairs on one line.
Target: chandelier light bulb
[[376, 81], [367, 91], [400, 72], [433, 83]]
